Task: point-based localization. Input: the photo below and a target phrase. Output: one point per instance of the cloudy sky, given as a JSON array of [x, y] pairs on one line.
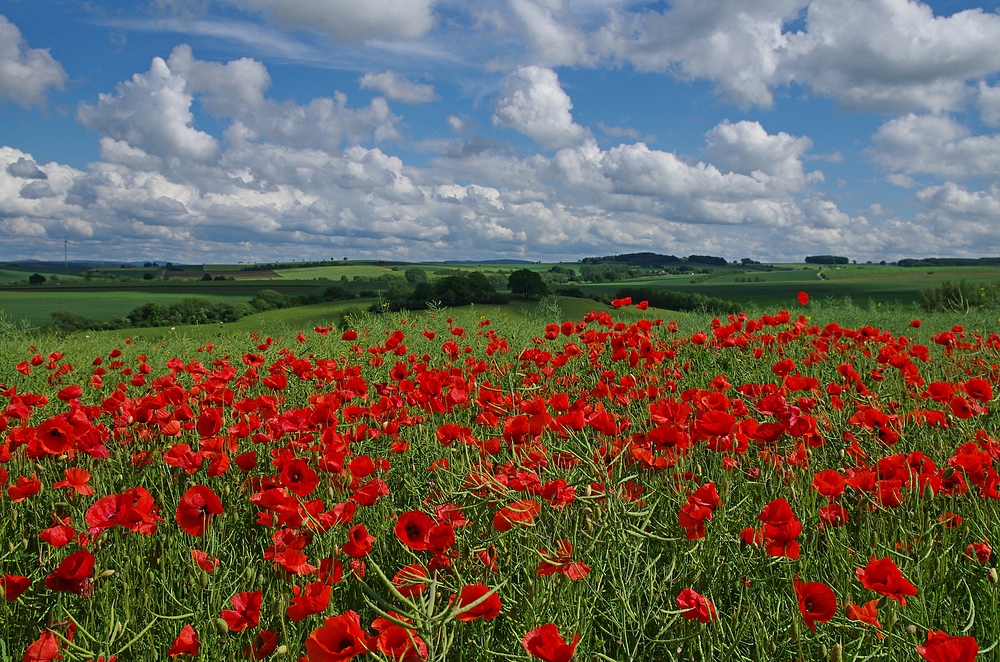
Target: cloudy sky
[[253, 130]]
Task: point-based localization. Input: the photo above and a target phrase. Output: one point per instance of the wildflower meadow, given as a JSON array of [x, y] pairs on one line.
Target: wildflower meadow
[[814, 483]]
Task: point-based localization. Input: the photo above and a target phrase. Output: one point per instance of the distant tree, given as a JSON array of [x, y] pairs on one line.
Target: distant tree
[[148, 276], [527, 283], [207, 276], [36, 279], [414, 275]]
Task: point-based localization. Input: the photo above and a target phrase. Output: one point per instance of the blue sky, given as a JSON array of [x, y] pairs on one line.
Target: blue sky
[[253, 130]]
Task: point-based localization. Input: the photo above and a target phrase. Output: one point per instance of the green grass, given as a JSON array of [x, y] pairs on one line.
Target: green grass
[[35, 307]]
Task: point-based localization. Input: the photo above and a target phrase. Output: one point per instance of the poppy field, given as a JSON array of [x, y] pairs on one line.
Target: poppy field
[[800, 485]]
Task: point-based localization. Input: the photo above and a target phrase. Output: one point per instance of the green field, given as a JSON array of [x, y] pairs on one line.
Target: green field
[[755, 288], [36, 307]]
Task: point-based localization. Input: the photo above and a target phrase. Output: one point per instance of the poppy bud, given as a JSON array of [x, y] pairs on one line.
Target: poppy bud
[[107, 573], [281, 650], [10, 547], [330, 494], [837, 654], [249, 573], [948, 473], [203, 580], [991, 575], [911, 629], [221, 625]]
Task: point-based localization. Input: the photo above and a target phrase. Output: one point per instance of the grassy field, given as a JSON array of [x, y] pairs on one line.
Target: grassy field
[[102, 299], [36, 307]]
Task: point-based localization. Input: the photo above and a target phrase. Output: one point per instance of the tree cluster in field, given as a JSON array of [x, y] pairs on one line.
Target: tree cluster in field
[[460, 289], [950, 262], [960, 297], [682, 301], [827, 259], [196, 310]]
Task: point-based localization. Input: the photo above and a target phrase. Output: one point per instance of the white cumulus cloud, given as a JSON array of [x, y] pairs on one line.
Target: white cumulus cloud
[[26, 73], [397, 87], [533, 103]]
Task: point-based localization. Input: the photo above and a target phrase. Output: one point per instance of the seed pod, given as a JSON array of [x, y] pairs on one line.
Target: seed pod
[[911, 629]]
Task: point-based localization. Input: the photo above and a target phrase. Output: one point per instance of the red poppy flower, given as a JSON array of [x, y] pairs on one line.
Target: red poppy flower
[[73, 574], [196, 509], [561, 561], [781, 528], [866, 613], [359, 542], [58, 535], [397, 642], [12, 586], [263, 645], [210, 422], [410, 580], [43, 649], [696, 606], [979, 551], [884, 577], [521, 512], [76, 479], [245, 612], [339, 639], [833, 515], [440, 538], [312, 600], [298, 477], [803, 298], [186, 643], [486, 604], [204, 561], [817, 602], [829, 483], [545, 643], [24, 488], [411, 528], [941, 647]]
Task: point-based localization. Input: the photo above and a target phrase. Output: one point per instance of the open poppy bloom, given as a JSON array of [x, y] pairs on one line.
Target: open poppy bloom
[[12, 586], [245, 612], [411, 528], [817, 602], [884, 577], [866, 613], [545, 643], [73, 574], [561, 561], [942, 647], [186, 643], [339, 639], [803, 298], [696, 606], [486, 603], [196, 509]]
